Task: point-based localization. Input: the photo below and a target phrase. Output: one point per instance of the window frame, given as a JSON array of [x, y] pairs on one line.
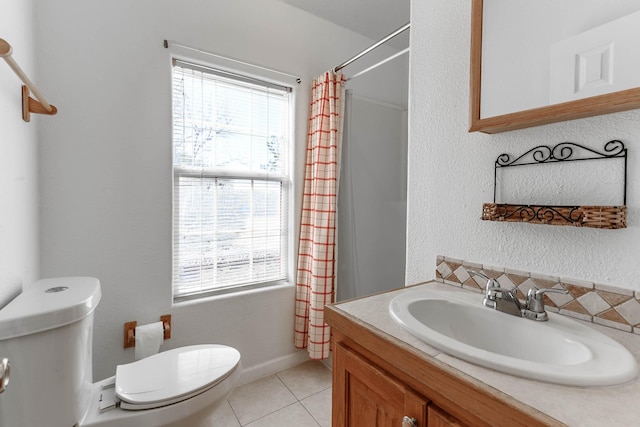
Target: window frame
[[248, 73]]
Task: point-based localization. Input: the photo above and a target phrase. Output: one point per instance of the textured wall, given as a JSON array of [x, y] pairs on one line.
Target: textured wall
[[18, 148], [451, 171], [106, 158]]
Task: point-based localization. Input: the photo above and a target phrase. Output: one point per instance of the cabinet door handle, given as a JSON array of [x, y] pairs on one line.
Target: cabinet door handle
[[409, 422], [5, 370]]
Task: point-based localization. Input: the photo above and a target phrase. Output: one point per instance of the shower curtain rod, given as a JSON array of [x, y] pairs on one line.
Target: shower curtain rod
[[372, 47], [384, 61]]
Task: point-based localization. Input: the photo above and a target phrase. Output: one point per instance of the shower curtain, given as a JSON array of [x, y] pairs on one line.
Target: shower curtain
[[316, 276]]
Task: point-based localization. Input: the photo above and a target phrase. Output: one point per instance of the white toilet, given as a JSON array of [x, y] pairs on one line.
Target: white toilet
[[46, 336]]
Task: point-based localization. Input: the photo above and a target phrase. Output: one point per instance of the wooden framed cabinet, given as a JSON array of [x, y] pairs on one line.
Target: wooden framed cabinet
[[365, 395], [381, 381]]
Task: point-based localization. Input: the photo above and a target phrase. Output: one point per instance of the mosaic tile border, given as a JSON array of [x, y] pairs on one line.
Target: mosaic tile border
[[601, 304]]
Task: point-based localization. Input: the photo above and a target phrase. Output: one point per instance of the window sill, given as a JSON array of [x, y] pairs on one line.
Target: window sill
[[233, 294]]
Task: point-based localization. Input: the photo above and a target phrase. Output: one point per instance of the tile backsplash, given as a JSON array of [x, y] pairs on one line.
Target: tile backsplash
[[602, 304]]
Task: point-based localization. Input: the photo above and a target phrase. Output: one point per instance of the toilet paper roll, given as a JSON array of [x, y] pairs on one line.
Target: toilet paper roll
[[148, 339]]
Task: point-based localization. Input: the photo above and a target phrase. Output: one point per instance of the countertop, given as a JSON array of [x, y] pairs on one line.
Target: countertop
[[574, 406]]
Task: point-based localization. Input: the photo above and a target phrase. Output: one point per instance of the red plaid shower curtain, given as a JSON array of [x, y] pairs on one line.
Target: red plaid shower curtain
[[315, 278]]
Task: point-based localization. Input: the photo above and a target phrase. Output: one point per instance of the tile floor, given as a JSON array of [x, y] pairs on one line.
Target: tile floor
[[299, 396]]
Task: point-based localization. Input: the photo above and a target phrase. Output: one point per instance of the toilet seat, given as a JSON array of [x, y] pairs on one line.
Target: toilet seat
[[173, 376]]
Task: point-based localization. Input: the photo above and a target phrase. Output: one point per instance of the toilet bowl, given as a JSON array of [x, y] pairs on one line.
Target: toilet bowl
[[46, 333], [164, 388]]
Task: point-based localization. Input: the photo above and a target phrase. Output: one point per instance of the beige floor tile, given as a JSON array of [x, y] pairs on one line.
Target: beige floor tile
[[221, 416], [319, 406], [306, 379], [293, 415], [259, 398]]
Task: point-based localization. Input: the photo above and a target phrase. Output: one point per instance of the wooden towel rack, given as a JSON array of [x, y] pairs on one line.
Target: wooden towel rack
[[29, 105]]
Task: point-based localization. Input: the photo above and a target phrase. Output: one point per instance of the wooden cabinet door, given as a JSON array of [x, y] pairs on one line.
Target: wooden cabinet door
[[438, 418], [366, 396]]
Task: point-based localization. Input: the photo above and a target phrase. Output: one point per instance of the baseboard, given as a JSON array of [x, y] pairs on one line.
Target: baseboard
[[270, 367], [328, 362]]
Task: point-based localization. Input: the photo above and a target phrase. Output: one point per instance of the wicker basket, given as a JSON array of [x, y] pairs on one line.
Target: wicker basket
[[610, 217]]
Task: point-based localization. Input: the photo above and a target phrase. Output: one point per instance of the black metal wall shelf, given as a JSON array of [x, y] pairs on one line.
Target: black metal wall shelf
[[610, 217]]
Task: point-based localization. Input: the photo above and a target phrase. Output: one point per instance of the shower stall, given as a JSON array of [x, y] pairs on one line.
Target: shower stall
[[372, 195]]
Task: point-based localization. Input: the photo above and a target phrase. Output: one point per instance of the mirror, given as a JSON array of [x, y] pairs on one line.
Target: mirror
[[579, 61]]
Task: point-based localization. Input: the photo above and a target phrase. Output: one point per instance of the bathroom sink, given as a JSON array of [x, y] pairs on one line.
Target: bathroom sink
[[560, 350]]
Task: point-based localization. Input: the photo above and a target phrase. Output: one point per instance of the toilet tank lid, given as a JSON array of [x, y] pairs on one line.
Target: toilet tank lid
[[49, 304]]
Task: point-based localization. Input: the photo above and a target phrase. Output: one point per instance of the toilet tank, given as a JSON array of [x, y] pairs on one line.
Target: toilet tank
[[46, 332]]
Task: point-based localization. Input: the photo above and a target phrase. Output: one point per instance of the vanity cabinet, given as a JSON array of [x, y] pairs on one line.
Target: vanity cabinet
[[379, 379], [365, 395]]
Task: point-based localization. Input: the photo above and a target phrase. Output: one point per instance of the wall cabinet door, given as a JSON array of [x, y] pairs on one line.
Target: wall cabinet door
[[365, 395]]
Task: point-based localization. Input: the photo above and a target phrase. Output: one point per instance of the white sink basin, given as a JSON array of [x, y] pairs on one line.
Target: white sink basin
[[561, 350]]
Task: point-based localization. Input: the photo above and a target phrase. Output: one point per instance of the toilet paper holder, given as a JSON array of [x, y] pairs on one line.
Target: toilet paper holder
[[130, 330]]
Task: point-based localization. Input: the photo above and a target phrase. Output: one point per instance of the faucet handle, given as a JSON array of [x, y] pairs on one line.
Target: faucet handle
[[535, 303], [492, 288], [491, 283], [537, 293]]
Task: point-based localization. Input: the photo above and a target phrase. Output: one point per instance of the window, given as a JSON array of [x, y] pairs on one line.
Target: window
[[231, 139]]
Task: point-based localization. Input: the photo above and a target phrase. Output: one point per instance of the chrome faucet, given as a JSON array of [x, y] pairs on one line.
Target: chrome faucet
[[506, 300]]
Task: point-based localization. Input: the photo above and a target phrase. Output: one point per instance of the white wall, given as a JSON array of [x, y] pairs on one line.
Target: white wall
[[451, 171], [106, 158], [18, 150]]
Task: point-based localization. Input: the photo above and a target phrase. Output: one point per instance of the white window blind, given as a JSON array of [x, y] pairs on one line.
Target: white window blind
[[231, 137]]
